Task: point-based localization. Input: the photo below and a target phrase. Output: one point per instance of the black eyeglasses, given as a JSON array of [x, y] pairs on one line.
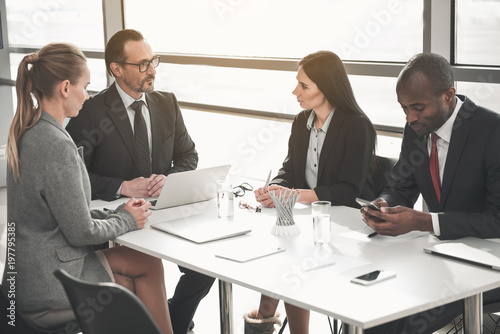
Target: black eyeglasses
[[239, 191], [143, 67]]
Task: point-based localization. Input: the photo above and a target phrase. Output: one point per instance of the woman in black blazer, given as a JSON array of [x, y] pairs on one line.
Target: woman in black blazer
[[330, 154]]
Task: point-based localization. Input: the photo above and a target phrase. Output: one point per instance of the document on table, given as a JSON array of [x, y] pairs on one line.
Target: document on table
[[247, 250], [362, 234]]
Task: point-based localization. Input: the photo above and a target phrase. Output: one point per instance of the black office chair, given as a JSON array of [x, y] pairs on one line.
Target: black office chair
[[378, 179], [22, 326], [491, 321], [106, 307]]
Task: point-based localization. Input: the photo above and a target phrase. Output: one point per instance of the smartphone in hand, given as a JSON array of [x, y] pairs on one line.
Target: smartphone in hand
[[371, 205], [364, 202]]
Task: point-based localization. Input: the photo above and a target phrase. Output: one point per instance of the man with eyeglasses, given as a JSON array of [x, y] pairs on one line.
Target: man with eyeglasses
[[132, 137]]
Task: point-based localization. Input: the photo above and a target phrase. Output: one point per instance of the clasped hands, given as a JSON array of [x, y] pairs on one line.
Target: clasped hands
[[396, 220], [143, 187], [139, 208]]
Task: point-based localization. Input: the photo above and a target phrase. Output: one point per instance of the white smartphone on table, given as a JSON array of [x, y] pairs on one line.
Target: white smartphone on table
[[373, 277]]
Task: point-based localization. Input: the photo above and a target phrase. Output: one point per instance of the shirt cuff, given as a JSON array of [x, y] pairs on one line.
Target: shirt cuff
[[119, 191], [435, 224]]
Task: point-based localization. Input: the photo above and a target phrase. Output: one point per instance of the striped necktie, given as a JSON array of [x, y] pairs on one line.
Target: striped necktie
[[141, 139]]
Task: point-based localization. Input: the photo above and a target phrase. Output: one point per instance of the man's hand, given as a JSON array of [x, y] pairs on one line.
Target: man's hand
[[143, 187], [398, 220], [156, 184], [135, 188]]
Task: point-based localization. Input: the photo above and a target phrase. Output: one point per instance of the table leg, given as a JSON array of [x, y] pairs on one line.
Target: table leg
[[350, 329], [226, 307], [473, 314]]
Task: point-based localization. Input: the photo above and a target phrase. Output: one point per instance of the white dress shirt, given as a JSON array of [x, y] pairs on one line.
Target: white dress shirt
[[316, 140], [442, 145], [127, 102]]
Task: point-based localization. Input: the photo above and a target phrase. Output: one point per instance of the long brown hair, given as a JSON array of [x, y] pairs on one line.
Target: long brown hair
[[37, 77], [328, 72]]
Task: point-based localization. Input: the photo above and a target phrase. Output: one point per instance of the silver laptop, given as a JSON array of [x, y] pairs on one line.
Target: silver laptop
[[202, 228], [477, 251], [190, 187]]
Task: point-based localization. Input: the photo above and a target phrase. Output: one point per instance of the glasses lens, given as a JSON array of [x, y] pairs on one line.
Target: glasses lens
[[143, 67], [155, 61], [238, 191]]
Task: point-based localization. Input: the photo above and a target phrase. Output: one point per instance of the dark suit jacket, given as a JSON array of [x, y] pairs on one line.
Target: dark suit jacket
[[103, 129], [470, 191], [344, 162]]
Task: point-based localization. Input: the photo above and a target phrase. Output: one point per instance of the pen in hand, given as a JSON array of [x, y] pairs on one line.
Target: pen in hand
[[266, 185], [371, 235]]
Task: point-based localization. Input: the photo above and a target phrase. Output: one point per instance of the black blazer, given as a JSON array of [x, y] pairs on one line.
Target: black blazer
[[103, 129], [345, 158], [470, 191]]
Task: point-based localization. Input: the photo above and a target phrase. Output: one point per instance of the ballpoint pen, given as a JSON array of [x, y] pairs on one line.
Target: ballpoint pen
[[266, 185], [371, 235]]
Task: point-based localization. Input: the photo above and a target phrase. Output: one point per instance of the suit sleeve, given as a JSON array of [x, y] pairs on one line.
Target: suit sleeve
[[85, 132], [356, 164], [485, 224], [64, 194], [184, 156], [402, 189]]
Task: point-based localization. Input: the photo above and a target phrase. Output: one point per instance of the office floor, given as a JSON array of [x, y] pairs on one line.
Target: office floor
[[207, 317]]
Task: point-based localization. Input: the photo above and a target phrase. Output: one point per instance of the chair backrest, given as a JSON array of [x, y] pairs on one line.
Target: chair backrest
[[106, 307], [379, 177], [10, 317]]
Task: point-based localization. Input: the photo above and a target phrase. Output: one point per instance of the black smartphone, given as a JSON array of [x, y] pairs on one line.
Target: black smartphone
[[373, 277], [371, 205], [364, 202]]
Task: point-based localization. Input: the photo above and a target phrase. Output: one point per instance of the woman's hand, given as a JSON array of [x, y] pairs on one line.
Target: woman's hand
[[139, 208], [262, 196]]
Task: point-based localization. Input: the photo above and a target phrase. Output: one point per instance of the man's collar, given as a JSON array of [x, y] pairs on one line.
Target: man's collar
[[127, 99], [444, 132]]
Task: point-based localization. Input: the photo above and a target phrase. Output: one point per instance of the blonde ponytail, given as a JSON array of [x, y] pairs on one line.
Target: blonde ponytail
[[37, 76], [26, 113]]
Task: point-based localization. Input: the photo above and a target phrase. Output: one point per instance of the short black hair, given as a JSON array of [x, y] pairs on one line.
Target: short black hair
[[435, 67], [115, 48]]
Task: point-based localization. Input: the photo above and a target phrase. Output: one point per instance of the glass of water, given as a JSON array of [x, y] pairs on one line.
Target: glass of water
[[321, 222], [225, 200]]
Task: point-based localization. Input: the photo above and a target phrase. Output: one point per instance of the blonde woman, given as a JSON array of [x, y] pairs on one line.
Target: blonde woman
[[48, 197]]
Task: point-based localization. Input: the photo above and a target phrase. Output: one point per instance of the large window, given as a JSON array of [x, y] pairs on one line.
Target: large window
[[478, 32], [356, 29], [35, 23], [240, 57]]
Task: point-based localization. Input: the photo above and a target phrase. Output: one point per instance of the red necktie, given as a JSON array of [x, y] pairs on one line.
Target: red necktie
[[434, 166]]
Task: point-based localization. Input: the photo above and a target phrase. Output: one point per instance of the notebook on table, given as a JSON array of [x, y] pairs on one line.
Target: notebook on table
[[190, 187], [477, 251], [202, 228]]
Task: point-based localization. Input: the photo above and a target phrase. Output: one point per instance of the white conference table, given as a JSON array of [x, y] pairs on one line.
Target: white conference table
[[423, 281]]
